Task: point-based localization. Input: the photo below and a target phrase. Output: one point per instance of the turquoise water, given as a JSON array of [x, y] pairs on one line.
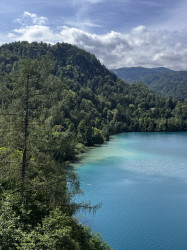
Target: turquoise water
[[141, 181]]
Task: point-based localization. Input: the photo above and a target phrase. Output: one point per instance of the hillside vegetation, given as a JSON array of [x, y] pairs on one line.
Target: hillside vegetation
[[162, 81], [55, 101]]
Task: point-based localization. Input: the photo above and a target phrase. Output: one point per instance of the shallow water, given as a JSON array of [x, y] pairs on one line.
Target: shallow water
[[141, 181]]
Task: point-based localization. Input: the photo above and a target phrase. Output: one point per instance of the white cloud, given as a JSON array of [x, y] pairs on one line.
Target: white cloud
[[35, 33], [139, 47], [31, 18]]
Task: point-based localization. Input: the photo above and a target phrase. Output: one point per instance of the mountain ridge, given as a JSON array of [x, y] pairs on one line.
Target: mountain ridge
[[163, 81], [55, 101]]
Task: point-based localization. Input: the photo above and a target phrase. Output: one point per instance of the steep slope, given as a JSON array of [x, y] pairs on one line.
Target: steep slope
[[38, 137], [54, 101], [163, 81], [90, 96], [172, 84]]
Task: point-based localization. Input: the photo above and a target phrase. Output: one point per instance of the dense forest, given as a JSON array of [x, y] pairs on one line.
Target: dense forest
[[54, 102], [162, 81], [130, 74]]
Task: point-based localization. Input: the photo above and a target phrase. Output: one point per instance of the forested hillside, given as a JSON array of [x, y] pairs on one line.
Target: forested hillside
[[163, 81], [173, 84], [54, 101], [131, 74]]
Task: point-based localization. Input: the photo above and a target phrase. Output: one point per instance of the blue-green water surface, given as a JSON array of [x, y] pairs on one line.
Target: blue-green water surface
[[141, 181]]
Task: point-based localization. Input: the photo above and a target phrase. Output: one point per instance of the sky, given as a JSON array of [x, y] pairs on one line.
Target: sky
[[121, 33]]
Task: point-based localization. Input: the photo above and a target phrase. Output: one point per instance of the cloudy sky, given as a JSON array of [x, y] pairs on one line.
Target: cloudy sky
[[121, 33]]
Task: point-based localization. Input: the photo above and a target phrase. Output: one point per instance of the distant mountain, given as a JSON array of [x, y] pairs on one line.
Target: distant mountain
[[86, 96], [136, 73], [54, 101], [163, 81]]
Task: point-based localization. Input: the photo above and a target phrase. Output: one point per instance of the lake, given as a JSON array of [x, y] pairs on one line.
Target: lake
[[141, 181]]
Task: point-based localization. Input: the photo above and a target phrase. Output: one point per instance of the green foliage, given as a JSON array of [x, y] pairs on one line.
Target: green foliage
[[163, 81], [54, 102], [79, 94], [131, 74], [56, 231], [36, 187], [169, 84]]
